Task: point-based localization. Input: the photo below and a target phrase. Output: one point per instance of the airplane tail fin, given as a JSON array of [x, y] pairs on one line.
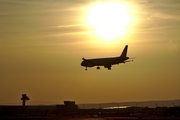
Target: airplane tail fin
[[124, 53]]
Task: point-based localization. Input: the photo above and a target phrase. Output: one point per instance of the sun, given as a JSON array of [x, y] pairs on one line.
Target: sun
[[109, 20]]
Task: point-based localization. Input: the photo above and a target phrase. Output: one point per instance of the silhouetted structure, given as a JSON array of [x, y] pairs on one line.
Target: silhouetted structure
[[70, 110], [24, 99]]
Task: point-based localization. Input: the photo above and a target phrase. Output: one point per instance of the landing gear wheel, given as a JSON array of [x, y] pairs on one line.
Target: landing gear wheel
[[98, 67], [109, 68]]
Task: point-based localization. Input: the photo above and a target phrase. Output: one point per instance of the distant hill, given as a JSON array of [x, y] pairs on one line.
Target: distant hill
[[150, 104]]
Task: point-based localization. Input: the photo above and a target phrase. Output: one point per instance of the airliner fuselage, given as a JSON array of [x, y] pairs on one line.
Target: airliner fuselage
[[106, 62]]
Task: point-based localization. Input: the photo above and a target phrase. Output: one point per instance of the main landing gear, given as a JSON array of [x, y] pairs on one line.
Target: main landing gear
[[98, 67]]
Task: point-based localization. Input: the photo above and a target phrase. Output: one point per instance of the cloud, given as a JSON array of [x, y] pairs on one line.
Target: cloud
[[23, 18]]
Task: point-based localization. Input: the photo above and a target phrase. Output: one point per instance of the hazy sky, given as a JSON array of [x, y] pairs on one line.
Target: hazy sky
[[42, 43]]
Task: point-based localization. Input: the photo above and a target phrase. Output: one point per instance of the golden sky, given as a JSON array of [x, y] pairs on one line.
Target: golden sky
[[42, 43]]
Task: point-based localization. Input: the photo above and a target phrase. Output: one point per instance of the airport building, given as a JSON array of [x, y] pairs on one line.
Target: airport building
[[37, 110]]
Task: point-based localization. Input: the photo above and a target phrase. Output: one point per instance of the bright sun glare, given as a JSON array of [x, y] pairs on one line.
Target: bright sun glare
[[109, 20]]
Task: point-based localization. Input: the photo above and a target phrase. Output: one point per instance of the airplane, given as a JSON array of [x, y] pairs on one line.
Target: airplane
[[107, 62]]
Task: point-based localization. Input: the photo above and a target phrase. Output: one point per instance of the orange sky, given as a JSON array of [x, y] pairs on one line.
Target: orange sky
[[42, 44]]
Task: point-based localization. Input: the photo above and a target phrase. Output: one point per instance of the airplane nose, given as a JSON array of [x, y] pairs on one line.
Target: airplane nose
[[82, 63]]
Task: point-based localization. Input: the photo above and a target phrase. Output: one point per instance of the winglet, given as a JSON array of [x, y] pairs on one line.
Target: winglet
[[124, 53]]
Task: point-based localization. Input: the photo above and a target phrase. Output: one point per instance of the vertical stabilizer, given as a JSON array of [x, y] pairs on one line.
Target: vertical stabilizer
[[124, 53]]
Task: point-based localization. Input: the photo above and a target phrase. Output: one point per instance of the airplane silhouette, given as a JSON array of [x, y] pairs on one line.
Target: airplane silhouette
[[106, 62]]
